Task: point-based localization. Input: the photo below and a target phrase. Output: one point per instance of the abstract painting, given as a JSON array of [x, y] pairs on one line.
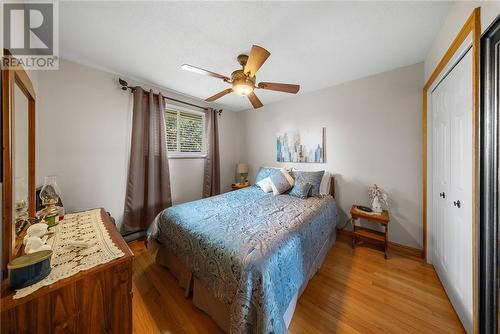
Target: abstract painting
[[301, 146]]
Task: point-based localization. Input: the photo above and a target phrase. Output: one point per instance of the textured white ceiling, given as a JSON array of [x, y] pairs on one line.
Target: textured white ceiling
[[314, 44]]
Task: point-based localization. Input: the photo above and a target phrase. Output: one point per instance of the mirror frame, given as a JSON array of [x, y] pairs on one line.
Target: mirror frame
[[10, 78]]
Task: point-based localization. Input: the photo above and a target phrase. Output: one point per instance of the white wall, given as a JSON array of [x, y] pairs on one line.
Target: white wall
[[84, 138], [457, 16], [373, 135]]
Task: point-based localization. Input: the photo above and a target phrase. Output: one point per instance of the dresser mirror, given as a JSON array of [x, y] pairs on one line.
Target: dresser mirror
[[18, 140]]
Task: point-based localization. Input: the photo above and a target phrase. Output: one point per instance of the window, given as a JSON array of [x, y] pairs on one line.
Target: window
[[185, 133]]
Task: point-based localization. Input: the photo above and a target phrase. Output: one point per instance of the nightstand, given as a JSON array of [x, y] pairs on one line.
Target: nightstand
[[236, 186], [358, 231]]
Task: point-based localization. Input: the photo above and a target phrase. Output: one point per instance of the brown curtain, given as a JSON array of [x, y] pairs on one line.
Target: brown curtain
[[211, 177], [148, 185]]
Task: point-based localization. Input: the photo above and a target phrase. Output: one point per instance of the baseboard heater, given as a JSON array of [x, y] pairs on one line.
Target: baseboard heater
[[131, 236]]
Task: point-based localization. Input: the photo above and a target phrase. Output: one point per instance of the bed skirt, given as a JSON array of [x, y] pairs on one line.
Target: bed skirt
[[205, 301]]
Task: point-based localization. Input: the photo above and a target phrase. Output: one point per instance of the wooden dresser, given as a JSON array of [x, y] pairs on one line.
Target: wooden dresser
[[98, 300]]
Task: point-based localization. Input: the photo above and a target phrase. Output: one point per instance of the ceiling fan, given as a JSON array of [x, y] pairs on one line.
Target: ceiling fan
[[244, 81]]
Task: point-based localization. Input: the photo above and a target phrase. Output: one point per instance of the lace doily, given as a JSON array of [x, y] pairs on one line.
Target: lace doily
[[68, 260]]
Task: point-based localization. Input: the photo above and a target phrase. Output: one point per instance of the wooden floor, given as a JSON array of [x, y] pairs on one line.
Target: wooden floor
[[355, 291]]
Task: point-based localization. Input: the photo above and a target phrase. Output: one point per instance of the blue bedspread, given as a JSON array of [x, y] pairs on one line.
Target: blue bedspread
[[252, 250]]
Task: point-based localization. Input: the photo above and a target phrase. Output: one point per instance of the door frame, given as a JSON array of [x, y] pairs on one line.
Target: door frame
[[489, 217], [472, 27]]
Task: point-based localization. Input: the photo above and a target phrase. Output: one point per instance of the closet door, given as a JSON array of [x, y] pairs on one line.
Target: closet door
[[461, 198], [441, 177], [452, 177]]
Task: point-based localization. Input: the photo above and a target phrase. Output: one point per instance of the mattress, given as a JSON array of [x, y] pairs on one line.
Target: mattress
[[250, 251]]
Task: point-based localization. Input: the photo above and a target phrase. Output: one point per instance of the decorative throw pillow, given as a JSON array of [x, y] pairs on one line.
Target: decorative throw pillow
[[281, 181], [313, 178], [264, 172], [301, 190], [324, 188], [265, 185]]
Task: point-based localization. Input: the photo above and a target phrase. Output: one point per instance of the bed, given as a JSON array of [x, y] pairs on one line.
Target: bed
[[246, 256]]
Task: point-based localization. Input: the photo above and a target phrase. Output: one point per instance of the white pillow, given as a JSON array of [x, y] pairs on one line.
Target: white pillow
[[265, 185], [324, 187]]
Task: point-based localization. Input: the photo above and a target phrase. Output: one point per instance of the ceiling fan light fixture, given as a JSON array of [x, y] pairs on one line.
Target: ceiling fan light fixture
[[243, 88], [242, 84]]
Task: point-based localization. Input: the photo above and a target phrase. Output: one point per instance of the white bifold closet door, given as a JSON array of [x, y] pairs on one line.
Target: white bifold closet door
[[452, 108]]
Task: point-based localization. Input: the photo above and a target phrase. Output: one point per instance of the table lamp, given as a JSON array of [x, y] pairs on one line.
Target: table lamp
[[242, 170]]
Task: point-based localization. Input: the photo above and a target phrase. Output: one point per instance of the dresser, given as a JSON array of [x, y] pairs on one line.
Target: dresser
[[98, 300]]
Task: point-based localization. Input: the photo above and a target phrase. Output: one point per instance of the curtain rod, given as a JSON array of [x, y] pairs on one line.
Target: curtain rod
[[125, 86]]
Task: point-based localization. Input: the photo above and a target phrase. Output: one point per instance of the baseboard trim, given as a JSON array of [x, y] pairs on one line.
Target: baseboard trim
[[404, 249]]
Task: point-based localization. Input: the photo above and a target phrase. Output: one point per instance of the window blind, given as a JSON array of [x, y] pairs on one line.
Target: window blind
[[171, 120], [185, 133], [191, 132]]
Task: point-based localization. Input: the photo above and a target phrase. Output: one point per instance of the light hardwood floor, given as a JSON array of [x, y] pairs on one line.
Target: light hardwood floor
[[355, 291]]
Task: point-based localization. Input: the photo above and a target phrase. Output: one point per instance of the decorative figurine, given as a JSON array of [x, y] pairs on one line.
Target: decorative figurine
[[36, 238], [378, 198]]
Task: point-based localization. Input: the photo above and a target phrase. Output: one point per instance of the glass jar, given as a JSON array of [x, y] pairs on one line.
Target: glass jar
[[50, 191], [49, 195]]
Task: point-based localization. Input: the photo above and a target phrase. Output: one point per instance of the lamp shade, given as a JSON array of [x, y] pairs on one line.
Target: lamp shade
[[241, 168]]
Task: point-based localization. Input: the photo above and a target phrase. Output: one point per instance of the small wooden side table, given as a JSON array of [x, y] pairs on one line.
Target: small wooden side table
[[358, 231], [236, 186]]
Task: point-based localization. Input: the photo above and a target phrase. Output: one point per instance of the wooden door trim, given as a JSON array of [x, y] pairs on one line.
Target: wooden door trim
[[471, 26]]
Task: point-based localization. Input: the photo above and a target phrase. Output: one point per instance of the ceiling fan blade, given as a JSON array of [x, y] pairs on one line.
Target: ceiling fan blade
[[257, 57], [254, 100], [219, 95], [280, 87], [194, 69]]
